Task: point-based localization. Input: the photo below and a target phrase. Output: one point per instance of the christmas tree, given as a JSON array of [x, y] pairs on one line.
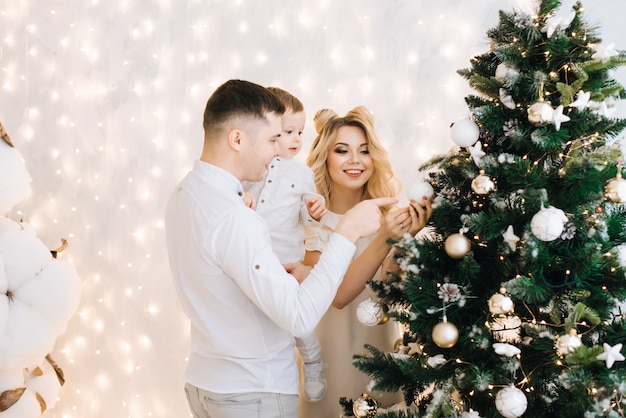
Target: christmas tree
[[511, 305]]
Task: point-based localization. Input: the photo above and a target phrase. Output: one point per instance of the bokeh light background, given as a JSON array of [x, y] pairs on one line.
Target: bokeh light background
[[104, 99]]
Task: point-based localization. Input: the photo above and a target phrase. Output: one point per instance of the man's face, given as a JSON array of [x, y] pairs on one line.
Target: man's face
[[259, 146]]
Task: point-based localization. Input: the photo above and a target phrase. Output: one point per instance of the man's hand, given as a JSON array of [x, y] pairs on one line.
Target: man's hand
[[363, 219]]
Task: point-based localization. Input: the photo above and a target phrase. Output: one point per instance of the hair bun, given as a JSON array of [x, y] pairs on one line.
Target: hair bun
[[363, 114], [322, 117]]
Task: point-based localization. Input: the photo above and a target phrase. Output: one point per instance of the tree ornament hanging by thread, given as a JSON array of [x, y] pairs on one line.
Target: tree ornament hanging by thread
[[615, 189], [457, 245], [500, 304], [548, 223], [565, 344], [511, 402], [445, 334], [464, 132], [483, 184], [365, 407], [540, 113], [370, 313]]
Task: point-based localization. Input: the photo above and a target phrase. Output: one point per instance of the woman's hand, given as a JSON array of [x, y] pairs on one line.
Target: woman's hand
[[410, 219]]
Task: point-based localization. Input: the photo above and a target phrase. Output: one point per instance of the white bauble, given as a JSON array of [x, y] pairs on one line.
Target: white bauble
[[370, 313], [511, 402], [548, 223], [615, 190], [504, 72], [500, 304], [540, 114], [420, 189], [567, 343], [483, 185], [464, 132]]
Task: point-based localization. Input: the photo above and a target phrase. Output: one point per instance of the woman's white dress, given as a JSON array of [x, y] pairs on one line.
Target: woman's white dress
[[341, 336]]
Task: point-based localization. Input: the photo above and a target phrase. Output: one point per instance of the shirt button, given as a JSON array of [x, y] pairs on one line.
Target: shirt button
[[262, 200], [269, 181], [256, 267]]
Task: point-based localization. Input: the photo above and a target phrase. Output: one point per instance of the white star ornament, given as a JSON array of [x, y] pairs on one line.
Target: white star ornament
[[582, 100], [603, 53], [558, 118], [510, 238], [611, 354]]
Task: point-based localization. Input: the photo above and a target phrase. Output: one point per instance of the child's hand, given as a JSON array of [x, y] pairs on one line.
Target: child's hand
[[249, 199], [316, 208], [298, 270]]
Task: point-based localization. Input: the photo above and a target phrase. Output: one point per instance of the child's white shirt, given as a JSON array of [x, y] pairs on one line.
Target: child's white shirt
[[281, 200]]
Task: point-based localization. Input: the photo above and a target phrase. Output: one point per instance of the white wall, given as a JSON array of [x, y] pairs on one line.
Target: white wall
[[105, 99]]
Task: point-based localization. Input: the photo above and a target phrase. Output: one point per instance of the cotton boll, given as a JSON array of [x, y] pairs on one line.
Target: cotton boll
[[27, 339], [15, 180], [24, 256], [43, 380], [55, 292], [26, 407], [11, 379]]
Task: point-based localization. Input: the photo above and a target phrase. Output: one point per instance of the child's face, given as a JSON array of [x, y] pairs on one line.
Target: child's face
[[290, 140]]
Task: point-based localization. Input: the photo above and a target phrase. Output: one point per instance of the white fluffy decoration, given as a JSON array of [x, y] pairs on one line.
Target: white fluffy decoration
[[548, 223], [44, 294], [15, 180]]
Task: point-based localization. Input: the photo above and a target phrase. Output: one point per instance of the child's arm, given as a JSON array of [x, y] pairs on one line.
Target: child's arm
[[316, 208]]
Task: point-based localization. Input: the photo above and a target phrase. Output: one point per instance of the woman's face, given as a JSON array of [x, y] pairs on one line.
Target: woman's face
[[349, 163]]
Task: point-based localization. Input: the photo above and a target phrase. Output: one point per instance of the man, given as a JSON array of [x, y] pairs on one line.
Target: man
[[245, 307]]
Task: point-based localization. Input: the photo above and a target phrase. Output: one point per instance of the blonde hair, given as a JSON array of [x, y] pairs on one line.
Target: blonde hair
[[382, 183]]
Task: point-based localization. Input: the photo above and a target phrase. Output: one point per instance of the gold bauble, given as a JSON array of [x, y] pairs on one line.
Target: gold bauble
[[540, 114], [364, 407], [445, 334], [457, 245]]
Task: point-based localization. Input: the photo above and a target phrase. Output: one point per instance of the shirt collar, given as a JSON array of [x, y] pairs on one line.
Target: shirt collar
[[225, 178]]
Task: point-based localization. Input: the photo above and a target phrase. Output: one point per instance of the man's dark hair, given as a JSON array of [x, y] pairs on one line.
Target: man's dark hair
[[239, 98]]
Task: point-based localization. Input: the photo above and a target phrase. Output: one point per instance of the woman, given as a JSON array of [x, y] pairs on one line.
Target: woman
[[350, 165]]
